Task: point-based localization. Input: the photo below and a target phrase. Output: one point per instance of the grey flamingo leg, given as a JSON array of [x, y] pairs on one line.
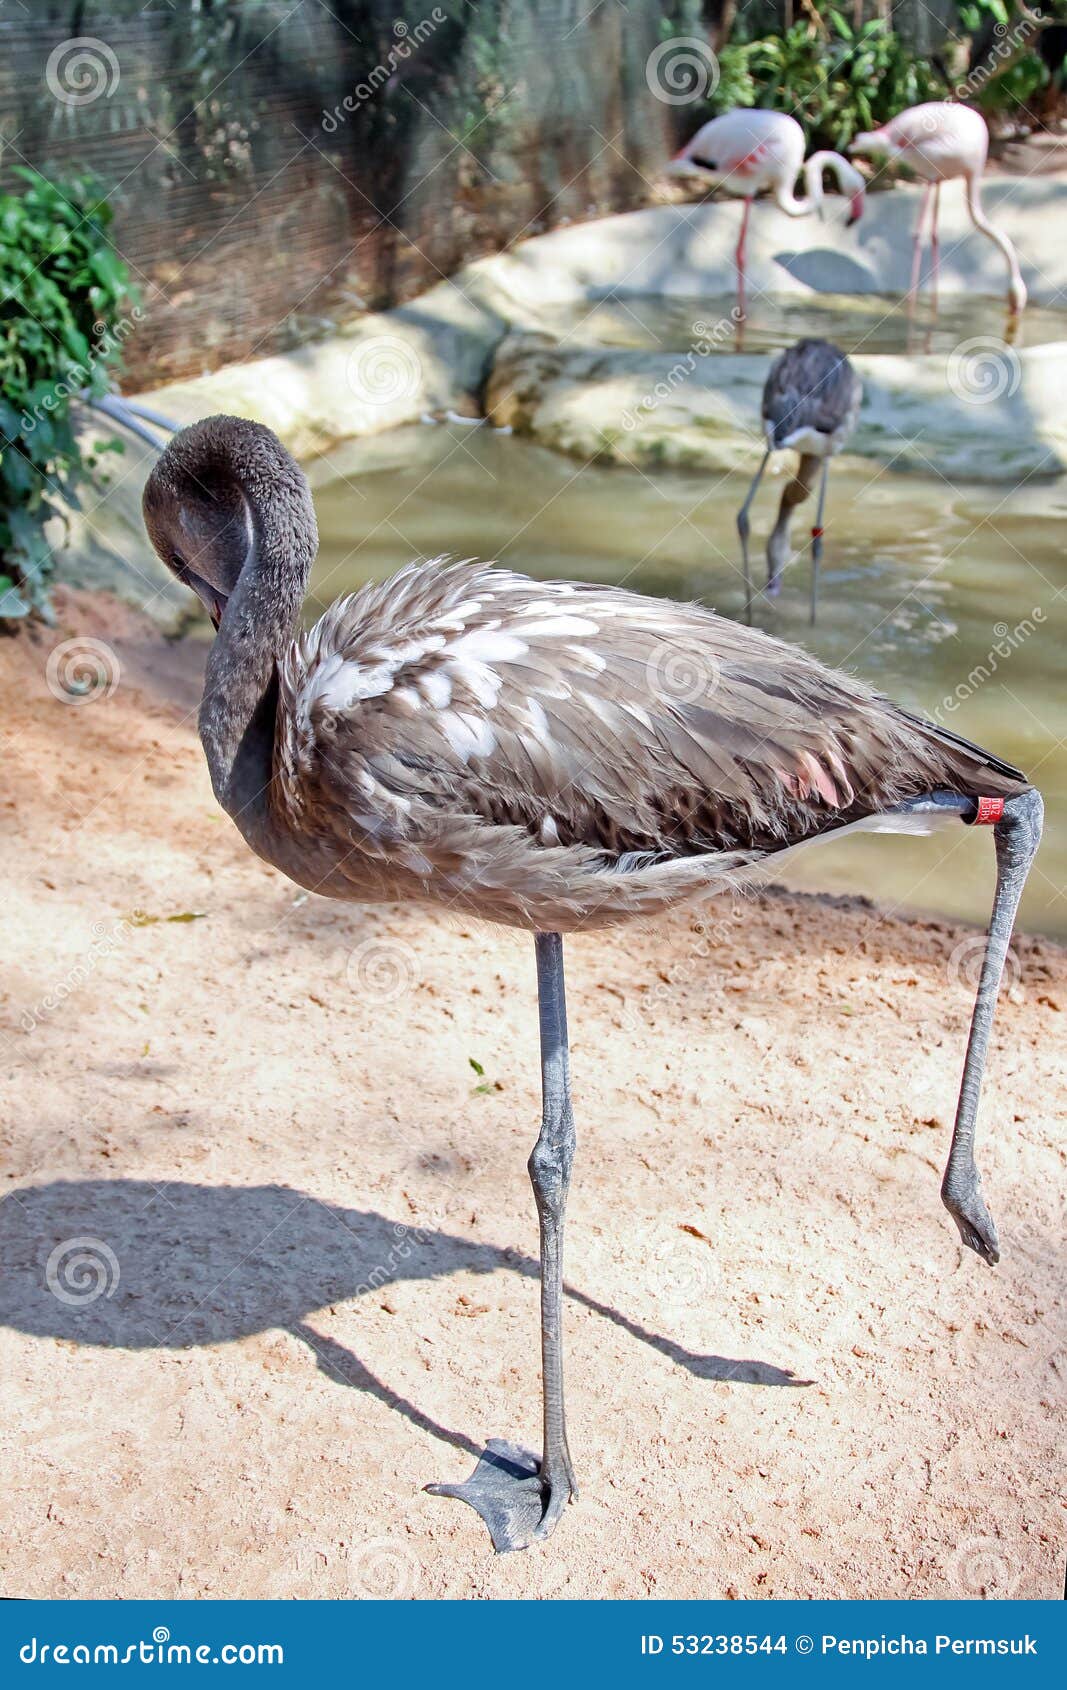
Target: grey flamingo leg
[[519, 1499], [1016, 836], [816, 541], [743, 531]]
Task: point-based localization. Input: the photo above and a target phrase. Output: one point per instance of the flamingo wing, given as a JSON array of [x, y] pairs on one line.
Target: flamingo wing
[[459, 707], [950, 139], [748, 149]]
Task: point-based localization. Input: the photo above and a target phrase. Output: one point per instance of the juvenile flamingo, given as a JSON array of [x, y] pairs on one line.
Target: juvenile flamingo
[[811, 400], [463, 736], [749, 152], [940, 141]]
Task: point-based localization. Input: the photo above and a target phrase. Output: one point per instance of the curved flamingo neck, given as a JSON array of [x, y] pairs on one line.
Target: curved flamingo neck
[[849, 181], [239, 707], [1016, 286]]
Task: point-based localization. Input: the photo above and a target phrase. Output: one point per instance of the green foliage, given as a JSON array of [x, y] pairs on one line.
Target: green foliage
[[973, 14], [835, 84], [1008, 90], [1005, 53], [62, 291]]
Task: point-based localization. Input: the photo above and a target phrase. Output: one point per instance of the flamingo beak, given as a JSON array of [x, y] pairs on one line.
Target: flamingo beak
[[855, 209], [212, 600]]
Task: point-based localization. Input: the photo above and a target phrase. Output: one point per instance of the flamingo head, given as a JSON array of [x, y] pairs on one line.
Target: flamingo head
[[871, 141], [855, 208], [198, 505]]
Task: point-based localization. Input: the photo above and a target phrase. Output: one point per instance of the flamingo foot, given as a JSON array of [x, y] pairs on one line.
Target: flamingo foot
[[968, 1209], [508, 1491]]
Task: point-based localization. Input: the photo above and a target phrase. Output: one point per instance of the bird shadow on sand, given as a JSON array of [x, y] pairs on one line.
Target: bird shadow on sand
[[128, 1264]]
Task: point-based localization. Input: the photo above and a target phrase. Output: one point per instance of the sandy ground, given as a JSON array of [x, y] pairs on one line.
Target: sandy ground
[[266, 1239]]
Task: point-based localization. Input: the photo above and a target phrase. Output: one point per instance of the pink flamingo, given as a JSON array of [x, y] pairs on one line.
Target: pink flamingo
[[940, 141], [749, 152]]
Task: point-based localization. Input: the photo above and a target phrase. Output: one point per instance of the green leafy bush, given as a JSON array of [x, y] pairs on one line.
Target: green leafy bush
[[63, 292], [835, 81]]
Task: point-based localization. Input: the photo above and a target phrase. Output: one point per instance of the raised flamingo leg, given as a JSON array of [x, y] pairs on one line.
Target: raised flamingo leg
[[519, 1498], [1016, 836], [739, 260]]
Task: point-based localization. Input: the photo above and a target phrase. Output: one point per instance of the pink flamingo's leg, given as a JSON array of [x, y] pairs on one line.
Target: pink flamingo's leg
[[935, 245], [917, 251], [739, 259]]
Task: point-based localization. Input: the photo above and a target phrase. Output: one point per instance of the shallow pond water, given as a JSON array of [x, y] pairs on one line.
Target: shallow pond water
[[949, 597], [865, 323]]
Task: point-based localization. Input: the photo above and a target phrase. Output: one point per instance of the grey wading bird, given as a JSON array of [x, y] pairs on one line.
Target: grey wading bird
[[510, 748], [811, 400]]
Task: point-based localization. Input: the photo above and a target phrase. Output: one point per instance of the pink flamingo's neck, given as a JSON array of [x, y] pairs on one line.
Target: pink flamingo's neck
[[1016, 286]]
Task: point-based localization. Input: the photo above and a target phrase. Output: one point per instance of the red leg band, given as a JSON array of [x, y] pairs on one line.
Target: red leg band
[[990, 810]]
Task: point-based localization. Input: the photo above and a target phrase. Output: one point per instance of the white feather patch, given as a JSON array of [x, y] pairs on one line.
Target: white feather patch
[[469, 736], [436, 688], [538, 720], [488, 645], [479, 679], [558, 627], [339, 683]]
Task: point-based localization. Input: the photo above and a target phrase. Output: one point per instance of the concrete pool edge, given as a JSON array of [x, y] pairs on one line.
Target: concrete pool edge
[[994, 416], [386, 370], [390, 368]]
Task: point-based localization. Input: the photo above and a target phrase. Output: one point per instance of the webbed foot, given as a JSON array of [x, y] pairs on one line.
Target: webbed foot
[[507, 1490]]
